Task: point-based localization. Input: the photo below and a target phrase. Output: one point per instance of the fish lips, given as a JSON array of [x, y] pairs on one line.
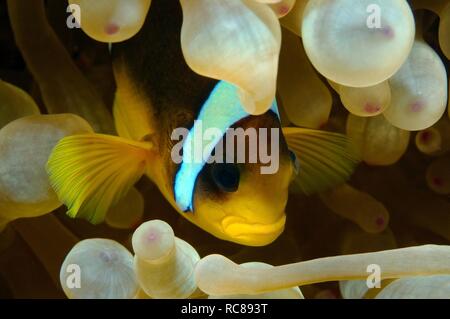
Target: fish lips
[[252, 234]]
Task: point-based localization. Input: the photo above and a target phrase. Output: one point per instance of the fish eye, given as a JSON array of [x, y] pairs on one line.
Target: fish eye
[[226, 176], [295, 161]]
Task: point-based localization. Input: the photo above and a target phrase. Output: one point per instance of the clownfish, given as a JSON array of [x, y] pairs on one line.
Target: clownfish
[[157, 93]]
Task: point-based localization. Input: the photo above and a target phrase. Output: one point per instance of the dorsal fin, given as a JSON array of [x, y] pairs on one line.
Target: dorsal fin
[[155, 64]]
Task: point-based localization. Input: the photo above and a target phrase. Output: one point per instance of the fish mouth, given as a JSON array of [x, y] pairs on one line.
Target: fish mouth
[[252, 234]]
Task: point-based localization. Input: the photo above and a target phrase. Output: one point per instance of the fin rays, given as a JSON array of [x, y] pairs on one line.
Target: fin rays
[[326, 159], [91, 172]]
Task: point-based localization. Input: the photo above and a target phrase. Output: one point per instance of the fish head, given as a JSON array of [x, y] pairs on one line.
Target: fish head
[[241, 198]]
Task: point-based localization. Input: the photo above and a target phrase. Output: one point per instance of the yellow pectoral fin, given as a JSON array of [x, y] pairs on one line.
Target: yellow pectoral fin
[[326, 159], [91, 172]]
